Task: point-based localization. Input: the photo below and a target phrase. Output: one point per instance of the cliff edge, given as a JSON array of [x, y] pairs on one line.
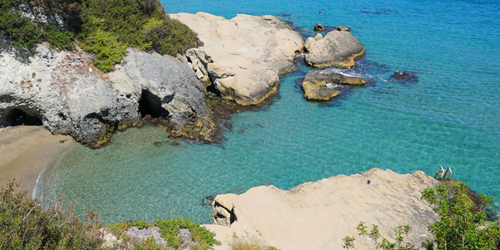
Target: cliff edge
[[317, 215]]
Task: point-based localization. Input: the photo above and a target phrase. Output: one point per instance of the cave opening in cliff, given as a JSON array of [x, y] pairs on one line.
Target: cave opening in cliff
[[150, 104], [18, 117]]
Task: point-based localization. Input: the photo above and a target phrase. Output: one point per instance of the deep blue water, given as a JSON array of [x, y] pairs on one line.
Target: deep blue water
[[450, 117]]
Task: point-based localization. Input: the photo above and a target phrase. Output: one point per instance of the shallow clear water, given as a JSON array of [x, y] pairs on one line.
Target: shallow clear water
[[450, 117]]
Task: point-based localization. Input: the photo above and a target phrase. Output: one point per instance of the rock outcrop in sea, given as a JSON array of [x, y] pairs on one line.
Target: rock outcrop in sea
[[317, 215], [337, 48], [244, 56], [65, 93], [320, 85]]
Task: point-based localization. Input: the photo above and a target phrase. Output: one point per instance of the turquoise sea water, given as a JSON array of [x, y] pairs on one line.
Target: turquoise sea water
[[450, 117]]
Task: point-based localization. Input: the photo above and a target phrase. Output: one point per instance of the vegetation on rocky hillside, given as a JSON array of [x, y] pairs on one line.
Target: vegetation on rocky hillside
[[25, 224], [462, 223], [105, 28]]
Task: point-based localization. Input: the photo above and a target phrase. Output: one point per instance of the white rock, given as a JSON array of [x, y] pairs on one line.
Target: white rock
[[246, 54]]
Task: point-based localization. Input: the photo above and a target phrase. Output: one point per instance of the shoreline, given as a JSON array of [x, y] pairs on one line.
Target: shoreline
[[26, 151]]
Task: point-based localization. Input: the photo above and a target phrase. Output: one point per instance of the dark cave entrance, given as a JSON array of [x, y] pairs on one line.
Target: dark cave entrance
[[150, 104], [18, 117]]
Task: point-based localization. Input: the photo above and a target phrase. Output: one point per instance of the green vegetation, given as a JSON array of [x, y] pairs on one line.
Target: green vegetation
[[374, 235], [462, 223], [169, 230], [24, 224], [105, 28]]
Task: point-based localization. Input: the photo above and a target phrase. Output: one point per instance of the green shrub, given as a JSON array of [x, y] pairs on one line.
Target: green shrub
[[107, 49], [141, 24], [462, 223], [103, 27], [25, 34], [169, 229], [24, 224]]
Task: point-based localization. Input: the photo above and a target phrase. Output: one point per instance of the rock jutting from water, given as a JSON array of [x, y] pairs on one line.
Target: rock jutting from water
[[319, 85], [65, 93], [244, 56], [337, 48], [404, 77], [318, 215]]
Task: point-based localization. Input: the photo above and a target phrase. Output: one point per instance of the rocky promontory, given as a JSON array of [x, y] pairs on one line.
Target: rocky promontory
[[244, 56], [318, 215], [65, 93], [337, 48], [320, 85]]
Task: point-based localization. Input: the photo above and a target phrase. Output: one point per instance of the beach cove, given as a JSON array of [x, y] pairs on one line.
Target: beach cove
[[449, 117]]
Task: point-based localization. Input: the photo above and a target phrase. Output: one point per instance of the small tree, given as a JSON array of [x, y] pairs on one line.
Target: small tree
[[374, 235], [462, 223]]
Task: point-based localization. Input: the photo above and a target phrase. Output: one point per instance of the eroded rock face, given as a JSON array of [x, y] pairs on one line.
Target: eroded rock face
[[243, 57], [68, 95], [317, 215], [337, 48], [319, 85]]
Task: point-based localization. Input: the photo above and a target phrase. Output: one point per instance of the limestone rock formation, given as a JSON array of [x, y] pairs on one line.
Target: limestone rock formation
[[318, 27], [317, 215], [342, 28], [319, 85], [242, 57], [66, 94], [337, 48], [311, 40]]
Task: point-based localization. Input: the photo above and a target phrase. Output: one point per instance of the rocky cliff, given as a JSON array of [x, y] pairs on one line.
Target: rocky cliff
[[65, 93], [242, 57], [318, 215]]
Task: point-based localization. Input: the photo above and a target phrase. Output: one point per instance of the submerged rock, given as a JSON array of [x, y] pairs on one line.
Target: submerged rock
[[244, 56], [318, 85], [317, 215], [337, 48], [68, 95], [404, 77]]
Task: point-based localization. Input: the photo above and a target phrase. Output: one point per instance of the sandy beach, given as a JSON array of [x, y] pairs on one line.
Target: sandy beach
[[25, 151]]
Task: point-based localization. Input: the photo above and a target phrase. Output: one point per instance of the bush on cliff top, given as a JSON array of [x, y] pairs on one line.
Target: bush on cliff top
[[103, 27], [169, 230], [24, 224], [462, 223]]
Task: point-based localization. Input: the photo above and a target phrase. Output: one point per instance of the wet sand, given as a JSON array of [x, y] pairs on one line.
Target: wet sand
[[25, 151]]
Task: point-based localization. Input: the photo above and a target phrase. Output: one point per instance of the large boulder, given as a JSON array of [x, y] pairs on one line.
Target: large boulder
[[65, 93], [319, 85], [318, 215], [244, 56], [337, 48]]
